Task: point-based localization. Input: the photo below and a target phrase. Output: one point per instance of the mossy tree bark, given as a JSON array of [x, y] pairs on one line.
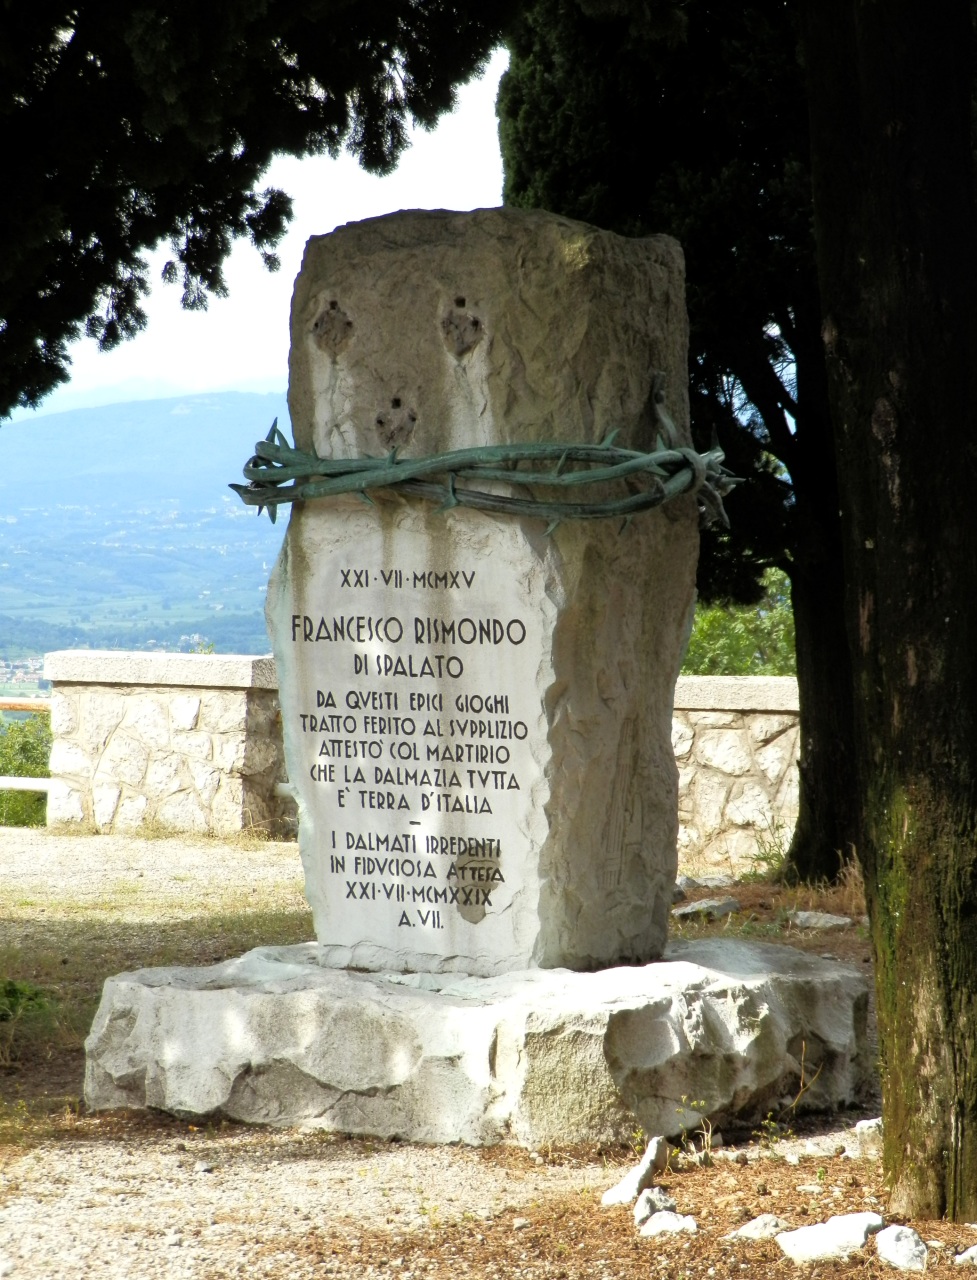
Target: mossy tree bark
[[891, 89]]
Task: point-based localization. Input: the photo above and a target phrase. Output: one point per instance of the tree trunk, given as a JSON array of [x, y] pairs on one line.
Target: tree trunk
[[827, 816], [891, 88], [824, 837]]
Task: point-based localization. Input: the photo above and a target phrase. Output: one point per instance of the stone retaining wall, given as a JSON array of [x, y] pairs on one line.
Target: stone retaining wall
[[186, 742], [736, 743], [193, 742]]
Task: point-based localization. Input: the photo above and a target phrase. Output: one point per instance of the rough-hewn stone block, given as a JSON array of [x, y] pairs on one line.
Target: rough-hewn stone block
[[432, 332], [532, 1057]]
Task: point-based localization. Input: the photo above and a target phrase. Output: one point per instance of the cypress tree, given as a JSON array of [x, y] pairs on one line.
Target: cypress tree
[[691, 119]]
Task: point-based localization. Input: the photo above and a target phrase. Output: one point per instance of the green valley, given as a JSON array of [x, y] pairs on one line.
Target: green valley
[[117, 529]]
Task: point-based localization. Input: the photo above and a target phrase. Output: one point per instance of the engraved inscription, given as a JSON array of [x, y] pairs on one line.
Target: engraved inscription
[[420, 726]]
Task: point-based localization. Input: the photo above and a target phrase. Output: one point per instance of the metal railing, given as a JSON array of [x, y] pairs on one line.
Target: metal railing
[[41, 706]]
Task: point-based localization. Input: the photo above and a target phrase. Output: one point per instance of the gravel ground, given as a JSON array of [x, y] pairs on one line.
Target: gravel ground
[[149, 1196], [161, 878], [146, 1205], [140, 1196]]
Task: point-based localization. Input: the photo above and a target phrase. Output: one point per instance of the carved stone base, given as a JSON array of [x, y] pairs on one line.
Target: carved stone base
[[532, 1057]]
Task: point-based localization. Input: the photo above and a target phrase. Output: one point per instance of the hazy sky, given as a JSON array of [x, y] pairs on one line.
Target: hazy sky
[[241, 342]]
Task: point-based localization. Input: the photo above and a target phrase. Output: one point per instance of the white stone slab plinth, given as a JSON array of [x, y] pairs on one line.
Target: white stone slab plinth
[[477, 712], [752, 694], [190, 670], [531, 1057]]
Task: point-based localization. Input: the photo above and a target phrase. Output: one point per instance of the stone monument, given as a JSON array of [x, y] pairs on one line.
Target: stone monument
[[477, 713], [476, 697]]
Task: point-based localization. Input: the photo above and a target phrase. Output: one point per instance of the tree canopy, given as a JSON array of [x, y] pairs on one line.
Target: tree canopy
[[692, 119], [890, 93], [125, 126], [693, 125]]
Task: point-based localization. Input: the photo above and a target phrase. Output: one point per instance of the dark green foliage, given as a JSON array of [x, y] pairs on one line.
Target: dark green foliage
[[27, 1013], [691, 118], [18, 998], [25, 746], [124, 126], [695, 127], [745, 640]]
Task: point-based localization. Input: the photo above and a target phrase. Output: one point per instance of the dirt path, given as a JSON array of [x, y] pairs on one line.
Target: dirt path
[[144, 1196], [157, 878]]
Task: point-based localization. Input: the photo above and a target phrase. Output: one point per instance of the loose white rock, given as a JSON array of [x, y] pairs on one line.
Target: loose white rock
[[637, 1179], [665, 1223], [6, 1265], [818, 920], [968, 1258], [901, 1248], [868, 1135], [765, 1227], [836, 1238], [652, 1200], [710, 908], [530, 1057]]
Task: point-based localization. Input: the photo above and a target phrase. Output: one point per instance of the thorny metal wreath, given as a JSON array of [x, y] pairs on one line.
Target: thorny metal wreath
[[664, 474]]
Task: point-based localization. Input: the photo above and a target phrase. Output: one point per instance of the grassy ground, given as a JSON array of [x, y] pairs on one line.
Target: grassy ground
[[60, 941], [766, 907]]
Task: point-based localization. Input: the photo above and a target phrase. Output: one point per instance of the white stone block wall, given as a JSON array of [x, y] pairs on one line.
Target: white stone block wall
[[183, 742], [736, 745], [193, 742]]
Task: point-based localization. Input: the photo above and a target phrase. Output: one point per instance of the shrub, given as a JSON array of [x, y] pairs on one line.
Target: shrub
[[24, 1009], [25, 747], [745, 640]]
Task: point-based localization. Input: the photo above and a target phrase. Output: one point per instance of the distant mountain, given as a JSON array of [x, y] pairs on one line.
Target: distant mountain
[[188, 448], [117, 527]]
